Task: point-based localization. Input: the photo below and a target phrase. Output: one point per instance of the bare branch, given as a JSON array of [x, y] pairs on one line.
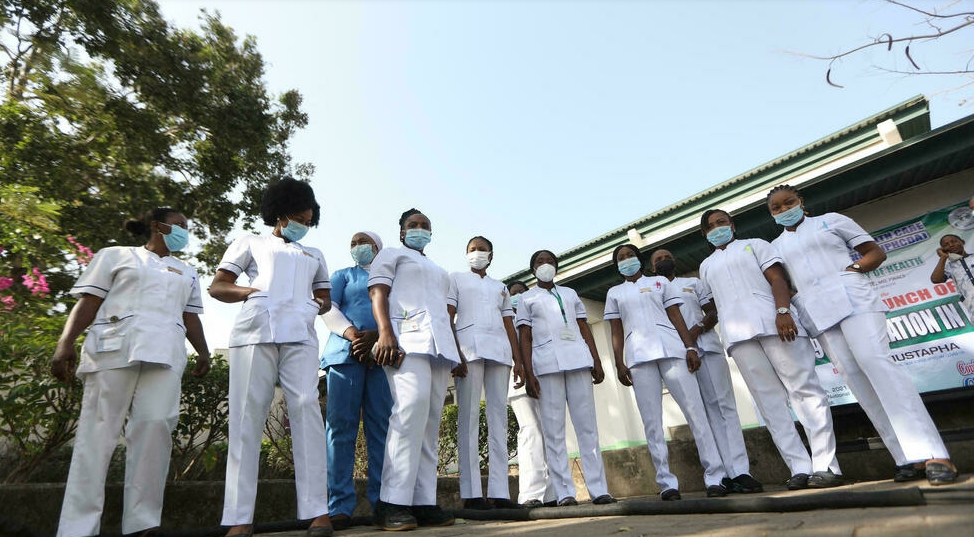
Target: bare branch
[[933, 15], [888, 43]]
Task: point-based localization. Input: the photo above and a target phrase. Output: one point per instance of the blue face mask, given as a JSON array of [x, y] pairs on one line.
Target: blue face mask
[[629, 266], [514, 301], [720, 236], [417, 239], [363, 254], [791, 216], [294, 231], [177, 239]]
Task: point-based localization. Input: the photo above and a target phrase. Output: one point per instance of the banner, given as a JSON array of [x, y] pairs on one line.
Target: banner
[[931, 333]]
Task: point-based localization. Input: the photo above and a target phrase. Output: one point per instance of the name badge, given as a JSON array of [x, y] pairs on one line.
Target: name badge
[[109, 343], [567, 334], [176, 270], [409, 325], [646, 290]]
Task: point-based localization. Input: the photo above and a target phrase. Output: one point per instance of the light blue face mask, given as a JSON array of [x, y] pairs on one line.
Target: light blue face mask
[[363, 254], [177, 239], [720, 236], [629, 266], [514, 301], [417, 239], [791, 216], [294, 231]]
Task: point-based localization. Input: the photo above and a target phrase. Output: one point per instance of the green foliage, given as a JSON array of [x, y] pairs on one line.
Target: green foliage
[[199, 441], [449, 447]]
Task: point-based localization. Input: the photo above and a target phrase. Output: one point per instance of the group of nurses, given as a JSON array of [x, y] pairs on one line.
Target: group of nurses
[[141, 304], [850, 322]]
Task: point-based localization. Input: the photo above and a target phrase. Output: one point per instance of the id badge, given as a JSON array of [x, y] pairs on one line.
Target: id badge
[[567, 334], [408, 325], [109, 343]]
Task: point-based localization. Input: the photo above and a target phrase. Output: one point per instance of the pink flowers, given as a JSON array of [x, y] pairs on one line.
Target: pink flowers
[[83, 253], [8, 302], [5, 283], [36, 282]]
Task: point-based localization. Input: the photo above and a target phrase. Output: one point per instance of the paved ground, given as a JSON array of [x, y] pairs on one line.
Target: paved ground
[[947, 513]]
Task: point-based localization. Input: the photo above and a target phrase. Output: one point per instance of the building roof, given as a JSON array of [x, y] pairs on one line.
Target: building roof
[[839, 171]]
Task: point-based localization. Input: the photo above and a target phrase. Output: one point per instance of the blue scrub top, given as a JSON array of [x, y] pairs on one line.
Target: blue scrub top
[[350, 294]]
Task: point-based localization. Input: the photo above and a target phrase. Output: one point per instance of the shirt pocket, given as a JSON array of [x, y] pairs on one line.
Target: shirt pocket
[[109, 336]]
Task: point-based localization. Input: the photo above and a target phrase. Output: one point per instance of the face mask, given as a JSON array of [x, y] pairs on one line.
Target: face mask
[[720, 236], [791, 216], [514, 301], [545, 273], [665, 267], [478, 259], [417, 239], [363, 254], [177, 239], [294, 231], [629, 266], [954, 257]]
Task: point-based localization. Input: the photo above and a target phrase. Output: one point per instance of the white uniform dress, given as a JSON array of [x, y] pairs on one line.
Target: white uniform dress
[[715, 383], [852, 321], [274, 341], [131, 365], [417, 309], [482, 303], [654, 354], [962, 272], [562, 363], [776, 372]]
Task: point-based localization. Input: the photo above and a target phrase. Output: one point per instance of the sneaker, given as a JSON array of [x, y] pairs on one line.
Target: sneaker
[[716, 491], [477, 504], [392, 517], [939, 473], [908, 472], [604, 499], [503, 503], [797, 482], [670, 495], [728, 484], [432, 516], [532, 504], [746, 484], [824, 480], [567, 501]]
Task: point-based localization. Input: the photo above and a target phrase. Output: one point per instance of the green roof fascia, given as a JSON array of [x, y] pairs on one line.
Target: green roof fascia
[[912, 117]]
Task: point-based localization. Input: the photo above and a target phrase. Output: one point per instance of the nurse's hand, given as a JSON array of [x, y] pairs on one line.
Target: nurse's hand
[[625, 377], [693, 361], [460, 371], [387, 351], [518, 376], [598, 374], [64, 362], [202, 366], [787, 330], [532, 386], [362, 344]]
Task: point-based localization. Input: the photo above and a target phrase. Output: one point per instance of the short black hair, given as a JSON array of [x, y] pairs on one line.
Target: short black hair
[[512, 285], [490, 245], [951, 235], [405, 216], [140, 227], [535, 256], [779, 188], [706, 216], [287, 197], [639, 255]]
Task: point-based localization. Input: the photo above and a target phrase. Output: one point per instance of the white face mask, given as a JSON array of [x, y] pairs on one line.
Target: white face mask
[[545, 273], [478, 259]]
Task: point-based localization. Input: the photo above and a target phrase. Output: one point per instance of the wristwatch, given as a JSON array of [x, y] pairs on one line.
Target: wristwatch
[[856, 267], [783, 311]]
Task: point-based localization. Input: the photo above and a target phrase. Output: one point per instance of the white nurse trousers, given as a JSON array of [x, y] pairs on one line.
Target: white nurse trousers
[[532, 472], [149, 395], [418, 390], [859, 349], [717, 391], [254, 370], [555, 390], [492, 378], [647, 385], [778, 372]]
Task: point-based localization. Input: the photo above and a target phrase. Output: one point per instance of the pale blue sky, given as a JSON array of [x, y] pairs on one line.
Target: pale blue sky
[[543, 124]]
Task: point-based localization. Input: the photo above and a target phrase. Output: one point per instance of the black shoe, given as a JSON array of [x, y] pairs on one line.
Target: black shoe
[[392, 517], [670, 495], [825, 480], [552, 503], [940, 474], [340, 522], [477, 504], [716, 491], [746, 484], [504, 503], [908, 472], [604, 499], [728, 484], [432, 516], [532, 504], [797, 482], [567, 501]]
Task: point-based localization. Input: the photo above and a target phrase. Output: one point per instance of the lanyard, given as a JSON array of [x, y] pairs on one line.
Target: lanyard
[[963, 263], [561, 305]]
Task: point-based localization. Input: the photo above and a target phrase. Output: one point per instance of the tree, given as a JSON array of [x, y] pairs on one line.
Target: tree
[[937, 24]]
